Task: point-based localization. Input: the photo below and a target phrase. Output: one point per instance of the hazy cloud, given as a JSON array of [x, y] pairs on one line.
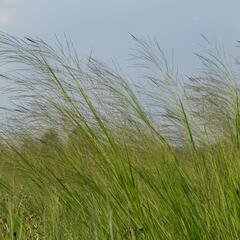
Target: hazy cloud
[[7, 12], [236, 22], [8, 2], [6, 17]]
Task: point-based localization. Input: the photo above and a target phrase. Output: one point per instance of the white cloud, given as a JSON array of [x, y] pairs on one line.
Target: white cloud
[[6, 17]]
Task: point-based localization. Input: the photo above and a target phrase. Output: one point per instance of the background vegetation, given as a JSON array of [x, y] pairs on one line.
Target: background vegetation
[[89, 154]]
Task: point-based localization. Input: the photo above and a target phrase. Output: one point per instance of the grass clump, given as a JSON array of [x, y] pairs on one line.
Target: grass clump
[[88, 154]]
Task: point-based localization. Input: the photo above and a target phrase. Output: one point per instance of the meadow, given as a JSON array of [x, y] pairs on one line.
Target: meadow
[[88, 153]]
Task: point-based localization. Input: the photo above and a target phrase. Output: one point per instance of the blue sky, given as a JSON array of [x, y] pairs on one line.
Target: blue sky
[[103, 26]]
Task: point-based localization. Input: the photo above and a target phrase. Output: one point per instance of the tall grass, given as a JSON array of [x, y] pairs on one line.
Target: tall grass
[[89, 154]]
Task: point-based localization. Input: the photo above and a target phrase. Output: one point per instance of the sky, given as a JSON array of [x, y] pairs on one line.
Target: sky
[[103, 27]]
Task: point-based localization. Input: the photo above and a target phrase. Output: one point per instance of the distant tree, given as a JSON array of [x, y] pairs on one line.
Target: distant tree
[[49, 142]]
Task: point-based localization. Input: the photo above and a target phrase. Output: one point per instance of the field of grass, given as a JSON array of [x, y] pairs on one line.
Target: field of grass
[[88, 153]]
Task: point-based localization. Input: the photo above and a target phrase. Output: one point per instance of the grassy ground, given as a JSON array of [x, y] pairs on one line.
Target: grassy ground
[[87, 154]]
